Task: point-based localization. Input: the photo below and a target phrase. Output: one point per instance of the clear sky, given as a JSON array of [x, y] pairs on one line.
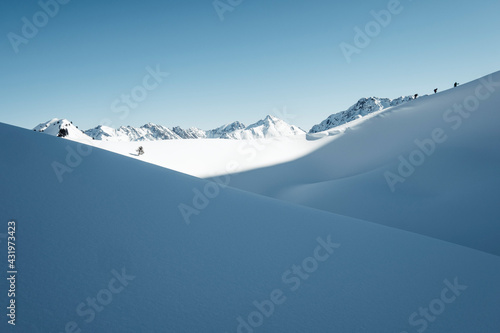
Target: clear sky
[[264, 57]]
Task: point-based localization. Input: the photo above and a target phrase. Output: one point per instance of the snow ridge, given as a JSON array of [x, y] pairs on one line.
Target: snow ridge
[[362, 108]]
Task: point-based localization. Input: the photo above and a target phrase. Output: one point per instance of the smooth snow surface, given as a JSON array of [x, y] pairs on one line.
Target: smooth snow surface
[[212, 157], [445, 148], [115, 216]]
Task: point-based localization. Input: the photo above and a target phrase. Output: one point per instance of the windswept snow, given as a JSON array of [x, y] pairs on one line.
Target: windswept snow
[[112, 234]]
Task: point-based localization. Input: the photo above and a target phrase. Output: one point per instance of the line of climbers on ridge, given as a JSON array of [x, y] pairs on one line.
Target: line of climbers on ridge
[[436, 90]]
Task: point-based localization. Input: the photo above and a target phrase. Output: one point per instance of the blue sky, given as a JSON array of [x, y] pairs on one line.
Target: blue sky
[[263, 58]]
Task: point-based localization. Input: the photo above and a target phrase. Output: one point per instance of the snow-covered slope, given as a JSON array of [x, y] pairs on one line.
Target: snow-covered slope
[[430, 166], [362, 108], [267, 128], [108, 250], [62, 128]]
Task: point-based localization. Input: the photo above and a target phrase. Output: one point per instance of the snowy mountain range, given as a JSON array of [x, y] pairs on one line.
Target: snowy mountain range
[[147, 132], [362, 108], [266, 128]]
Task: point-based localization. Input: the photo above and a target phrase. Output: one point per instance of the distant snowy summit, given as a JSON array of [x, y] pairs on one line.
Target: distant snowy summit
[[269, 127], [62, 128], [265, 128], [224, 131], [362, 108]]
